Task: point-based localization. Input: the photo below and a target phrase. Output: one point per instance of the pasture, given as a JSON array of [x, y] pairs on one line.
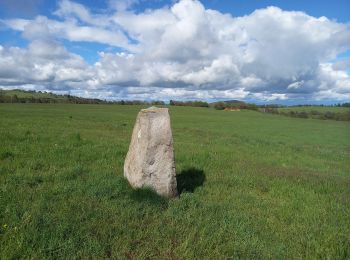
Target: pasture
[[253, 185]]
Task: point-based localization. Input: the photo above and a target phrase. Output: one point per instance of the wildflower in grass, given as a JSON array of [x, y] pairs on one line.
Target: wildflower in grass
[[5, 226]]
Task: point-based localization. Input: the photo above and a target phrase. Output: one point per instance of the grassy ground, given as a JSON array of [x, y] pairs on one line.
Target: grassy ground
[[253, 185]]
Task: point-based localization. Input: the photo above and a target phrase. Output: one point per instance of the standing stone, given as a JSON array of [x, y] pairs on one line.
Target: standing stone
[[150, 159]]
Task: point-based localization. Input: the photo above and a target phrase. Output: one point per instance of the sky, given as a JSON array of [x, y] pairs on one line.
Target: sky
[[287, 52]]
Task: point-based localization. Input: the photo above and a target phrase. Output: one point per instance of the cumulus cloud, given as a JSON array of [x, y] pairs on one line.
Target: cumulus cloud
[[43, 63], [70, 29], [184, 51]]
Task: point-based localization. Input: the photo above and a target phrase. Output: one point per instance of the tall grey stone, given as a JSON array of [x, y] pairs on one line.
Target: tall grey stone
[[150, 159]]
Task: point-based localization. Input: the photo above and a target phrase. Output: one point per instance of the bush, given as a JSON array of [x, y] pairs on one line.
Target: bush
[[302, 114], [252, 107], [189, 103], [329, 115], [311, 114], [220, 106], [315, 113]]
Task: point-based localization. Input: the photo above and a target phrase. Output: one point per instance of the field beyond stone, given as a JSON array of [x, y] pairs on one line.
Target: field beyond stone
[[253, 185]]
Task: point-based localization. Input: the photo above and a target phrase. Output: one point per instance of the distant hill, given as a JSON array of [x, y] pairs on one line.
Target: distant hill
[[23, 96], [28, 94], [233, 102], [229, 102]]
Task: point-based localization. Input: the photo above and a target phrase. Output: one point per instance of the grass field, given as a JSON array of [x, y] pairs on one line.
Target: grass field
[[254, 185]]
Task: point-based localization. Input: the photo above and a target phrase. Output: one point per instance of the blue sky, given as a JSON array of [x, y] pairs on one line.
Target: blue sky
[[261, 51], [338, 9]]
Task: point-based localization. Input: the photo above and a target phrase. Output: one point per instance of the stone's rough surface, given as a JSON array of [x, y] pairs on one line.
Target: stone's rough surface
[[150, 159]]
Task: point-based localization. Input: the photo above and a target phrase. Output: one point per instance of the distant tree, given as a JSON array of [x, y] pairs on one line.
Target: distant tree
[[14, 99], [189, 103], [220, 106], [252, 107], [157, 103]]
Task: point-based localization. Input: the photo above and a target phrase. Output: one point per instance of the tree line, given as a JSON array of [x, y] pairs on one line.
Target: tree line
[[324, 115], [63, 99], [189, 103], [240, 105], [67, 99]]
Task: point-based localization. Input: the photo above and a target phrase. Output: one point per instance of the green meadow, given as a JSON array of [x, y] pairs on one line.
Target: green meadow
[[252, 185]]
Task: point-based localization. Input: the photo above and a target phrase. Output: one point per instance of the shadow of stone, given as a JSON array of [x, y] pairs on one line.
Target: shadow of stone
[[148, 196], [189, 179]]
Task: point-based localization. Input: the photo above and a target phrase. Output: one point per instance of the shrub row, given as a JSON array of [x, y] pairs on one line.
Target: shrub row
[[345, 116], [189, 103], [72, 100], [223, 105]]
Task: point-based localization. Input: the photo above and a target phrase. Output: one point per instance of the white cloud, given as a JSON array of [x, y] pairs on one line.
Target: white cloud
[[296, 85], [42, 27], [74, 11], [185, 51], [42, 63]]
